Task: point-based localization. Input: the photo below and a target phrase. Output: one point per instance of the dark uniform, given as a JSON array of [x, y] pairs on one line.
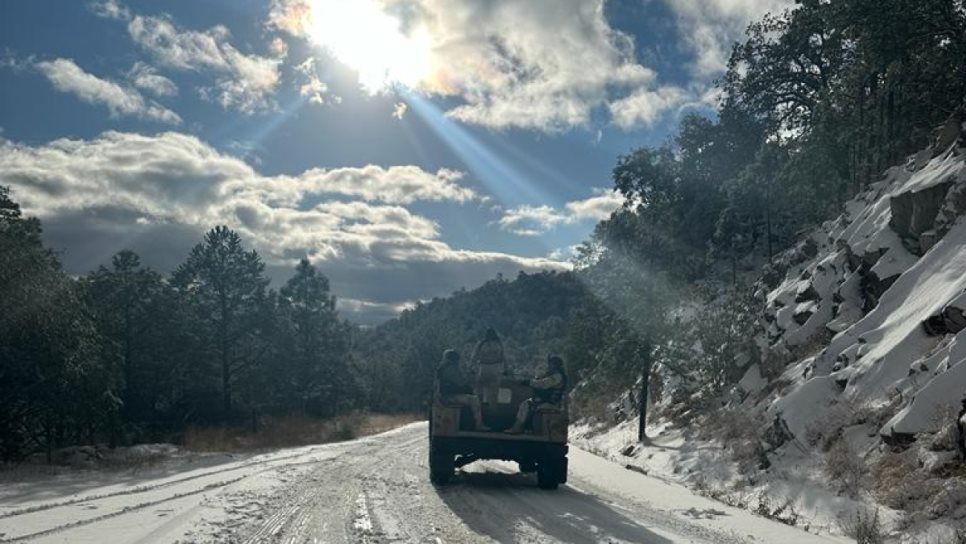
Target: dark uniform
[[548, 391], [454, 388]]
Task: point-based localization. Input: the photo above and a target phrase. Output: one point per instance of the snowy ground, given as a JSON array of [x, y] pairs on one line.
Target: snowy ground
[[794, 489], [370, 490]]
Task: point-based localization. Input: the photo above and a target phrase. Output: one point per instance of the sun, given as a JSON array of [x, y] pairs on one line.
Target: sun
[[370, 41]]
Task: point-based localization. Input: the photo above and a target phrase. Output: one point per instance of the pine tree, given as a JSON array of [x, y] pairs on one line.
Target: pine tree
[[317, 371], [224, 286]]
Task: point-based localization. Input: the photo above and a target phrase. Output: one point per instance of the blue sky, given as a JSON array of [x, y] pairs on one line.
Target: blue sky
[[407, 147]]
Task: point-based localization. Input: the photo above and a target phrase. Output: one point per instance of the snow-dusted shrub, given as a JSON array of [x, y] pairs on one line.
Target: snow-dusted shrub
[[826, 430], [897, 481], [782, 513], [845, 469], [877, 413], [947, 437], [958, 537], [950, 499], [740, 432], [865, 526]]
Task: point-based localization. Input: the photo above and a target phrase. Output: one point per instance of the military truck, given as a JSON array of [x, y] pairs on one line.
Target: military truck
[[541, 448]]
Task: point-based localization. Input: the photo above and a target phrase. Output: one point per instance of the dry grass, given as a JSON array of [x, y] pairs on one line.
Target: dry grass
[[740, 433], [897, 482], [864, 526], [845, 469], [292, 431]]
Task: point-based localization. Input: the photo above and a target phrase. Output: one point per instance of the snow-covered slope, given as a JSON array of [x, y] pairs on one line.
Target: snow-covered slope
[[863, 354], [883, 285]]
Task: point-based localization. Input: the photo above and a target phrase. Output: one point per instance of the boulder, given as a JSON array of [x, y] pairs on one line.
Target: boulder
[[950, 320], [953, 207], [802, 316], [914, 213], [806, 292], [872, 287], [934, 326], [927, 240], [954, 319]]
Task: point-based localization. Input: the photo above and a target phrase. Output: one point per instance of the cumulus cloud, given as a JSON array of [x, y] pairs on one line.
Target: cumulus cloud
[[66, 76], [540, 64], [536, 220], [645, 106], [353, 222], [595, 208], [530, 220], [147, 78], [177, 177], [710, 27], [244, 82]]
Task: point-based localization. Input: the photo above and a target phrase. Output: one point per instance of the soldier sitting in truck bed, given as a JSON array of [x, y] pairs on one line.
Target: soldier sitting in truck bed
[[490, 364], [548, 391], [454, 388]]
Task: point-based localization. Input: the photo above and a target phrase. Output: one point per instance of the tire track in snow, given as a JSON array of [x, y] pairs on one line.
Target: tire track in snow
[[154, 487], [122, 511], [315, 495]]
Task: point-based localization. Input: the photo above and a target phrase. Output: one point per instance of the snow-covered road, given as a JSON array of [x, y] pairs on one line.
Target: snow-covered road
[[372, 490]]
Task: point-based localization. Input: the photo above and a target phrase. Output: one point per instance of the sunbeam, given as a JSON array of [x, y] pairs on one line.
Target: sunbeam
[[506, 182]]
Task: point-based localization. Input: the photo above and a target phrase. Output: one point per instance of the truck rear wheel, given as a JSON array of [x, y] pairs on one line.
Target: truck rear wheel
[[527, 465], [440, 466], [551, 472]]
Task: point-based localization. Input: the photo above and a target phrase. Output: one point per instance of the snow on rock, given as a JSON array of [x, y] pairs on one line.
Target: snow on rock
[[888, 287], [811, 398], [943, 391], [752, 381], [865, 342]]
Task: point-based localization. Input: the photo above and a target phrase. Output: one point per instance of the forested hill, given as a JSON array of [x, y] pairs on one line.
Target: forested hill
[[533, 313]]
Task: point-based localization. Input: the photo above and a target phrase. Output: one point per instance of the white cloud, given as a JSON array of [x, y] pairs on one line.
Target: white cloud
[[530, 220], [595, 208], [147, 78], [243, 82], [176, 178], [66, 76], [110, 9], [710, 27], [399, 110], [312, 86], [536, 220], [539, 64], [278, 47], [645, 106], [352, 222]]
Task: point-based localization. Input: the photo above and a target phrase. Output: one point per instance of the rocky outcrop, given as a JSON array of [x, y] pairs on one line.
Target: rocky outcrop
[[914, 214], [950, 320], [872, 299]]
